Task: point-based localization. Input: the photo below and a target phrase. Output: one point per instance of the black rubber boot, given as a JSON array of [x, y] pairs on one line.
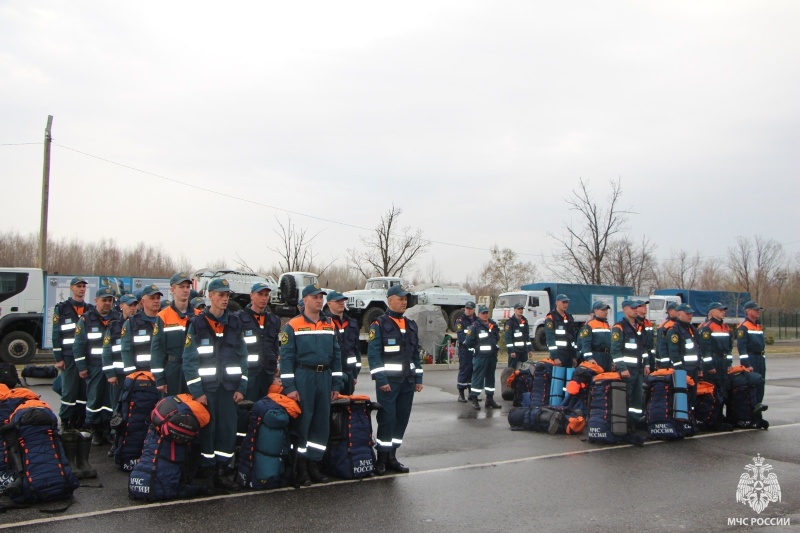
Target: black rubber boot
[[222, 480], [393, 464], [82, 458], [315, 474], [380, 464], [205, 479], [97, 435], [555, 422], [301, 478], [69, 440], [461, 397], [476, 403], [760, 407], [491, 404]]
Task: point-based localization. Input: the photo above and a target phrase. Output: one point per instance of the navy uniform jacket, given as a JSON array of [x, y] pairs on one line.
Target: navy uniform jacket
[[310, 344], [683, 349], [88, 347], [749, 341], [349, 343], [627, 345], [560, 333], [65, 319], [462, 324], [261, 332], [595, 343], [393, 350], [517, 334], [484, 338], [715, 341]]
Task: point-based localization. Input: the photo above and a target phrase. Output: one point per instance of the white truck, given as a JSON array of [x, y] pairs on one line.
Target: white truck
[[284, 296], [21, 313], [368, 304]]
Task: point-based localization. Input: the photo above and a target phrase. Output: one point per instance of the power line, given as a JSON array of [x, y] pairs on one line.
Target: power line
[[17, 144], [255, 202]]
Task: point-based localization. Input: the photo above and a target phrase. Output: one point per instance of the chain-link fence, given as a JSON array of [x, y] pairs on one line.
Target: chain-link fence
[[781, 324]]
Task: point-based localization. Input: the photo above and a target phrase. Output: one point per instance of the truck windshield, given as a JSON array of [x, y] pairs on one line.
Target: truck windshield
[[307, 280], [377, 284], [510, 300], [657, 304]]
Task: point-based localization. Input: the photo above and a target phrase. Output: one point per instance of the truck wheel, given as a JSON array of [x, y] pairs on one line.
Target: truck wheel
[[17, 348], [540, 340], [371, 316], [451, 320], [289, 290]]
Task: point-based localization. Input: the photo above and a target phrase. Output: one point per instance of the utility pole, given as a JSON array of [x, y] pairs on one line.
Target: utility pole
[[45, 195]]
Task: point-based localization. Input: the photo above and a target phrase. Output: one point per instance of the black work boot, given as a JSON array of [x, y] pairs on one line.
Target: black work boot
[[97, 435], [393, 464], [82, 457], [222, 480], [301, 476], [476, 403], [380, 463], [760, 407], [205, 478], [315, 474], [491, 404], [555, 422], [69, 440], [461, 397]]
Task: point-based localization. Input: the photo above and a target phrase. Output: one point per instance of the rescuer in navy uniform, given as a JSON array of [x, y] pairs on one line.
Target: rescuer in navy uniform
[[681, 339], [65, 319], [716, 347], [169, 335], [215, 367], [517, 335], [395, 365], [347, 335], [628, 345], [484, 337], [88, 352], [261, 330], [661, 341], [559, 327], [311, 373], [463, 323], [136, 336], [751, 345], [595, 337], [649, 355]]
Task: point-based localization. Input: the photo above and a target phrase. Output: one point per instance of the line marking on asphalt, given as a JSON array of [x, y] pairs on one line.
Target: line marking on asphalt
[[246, 494]]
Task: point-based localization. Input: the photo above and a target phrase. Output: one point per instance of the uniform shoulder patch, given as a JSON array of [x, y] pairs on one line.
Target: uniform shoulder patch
[[107, 340], [371, 334], [615, 336], [549, 324], [506, 327], [155, 328], [584, 332], [740, 334], [459, 326], [284, 338], [467, 332], [674, 338], [78, 329], [55, 318], [188, 340], [706, 335]]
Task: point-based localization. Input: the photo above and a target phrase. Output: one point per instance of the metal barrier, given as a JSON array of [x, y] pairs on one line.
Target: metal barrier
[[784, 324]]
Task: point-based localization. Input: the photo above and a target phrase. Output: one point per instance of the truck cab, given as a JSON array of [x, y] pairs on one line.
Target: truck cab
[[21, 313], [537, 305]]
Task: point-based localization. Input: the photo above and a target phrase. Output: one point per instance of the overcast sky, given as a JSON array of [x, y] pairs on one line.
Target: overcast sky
[[477, 118]]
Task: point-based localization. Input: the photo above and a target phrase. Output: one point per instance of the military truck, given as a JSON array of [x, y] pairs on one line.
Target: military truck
[[368, 304]]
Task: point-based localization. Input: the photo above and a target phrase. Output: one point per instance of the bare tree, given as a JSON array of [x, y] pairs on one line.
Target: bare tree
[[505, 271], [631, 263], [756, 265], [389, 250], [680, 271], [294, 247], [584, 246]]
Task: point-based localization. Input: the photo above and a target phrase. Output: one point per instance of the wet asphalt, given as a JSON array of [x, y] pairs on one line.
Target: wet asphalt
[[470, 472]]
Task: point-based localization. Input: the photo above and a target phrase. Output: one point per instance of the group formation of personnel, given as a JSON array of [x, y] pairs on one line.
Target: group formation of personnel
[[224, 358], [634, 346]]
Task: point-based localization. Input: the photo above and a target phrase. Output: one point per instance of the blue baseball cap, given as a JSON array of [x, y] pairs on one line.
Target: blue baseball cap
[[260, 286], [630, 303], [219, 285], [165, 303], [482, 309], [672, 306], [178, 278], [151, 289], [105, 292], [642, 302], [128, 299], [600, 305], [752, 305], [335, 296], [397, 290], [716, 305], [197, 301], [76, 280], [312, 290], [562, 298], [519, 305], [470, 305], [686, 308]]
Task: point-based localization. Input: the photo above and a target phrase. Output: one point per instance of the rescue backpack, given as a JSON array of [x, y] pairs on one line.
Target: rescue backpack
[[520, 382], [10, 399], [743, 409], [36, 457], [540, 387], [608, 411], [666, 397], [171, 451], [579, 385], [545, 419], [506, 392], [264, 456], [349, 454], [708, 408], [136, 403]]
